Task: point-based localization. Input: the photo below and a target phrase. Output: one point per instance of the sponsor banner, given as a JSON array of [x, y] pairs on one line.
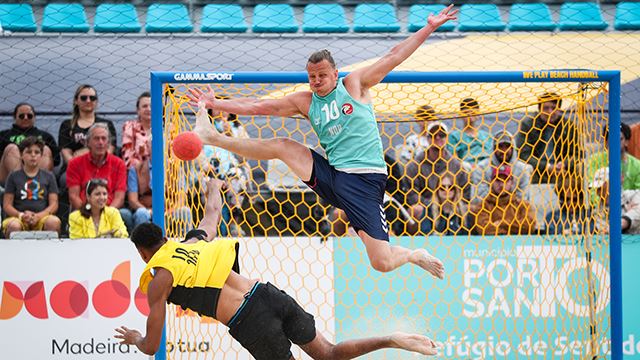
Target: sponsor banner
[[508, 297], [631, 296], [63, 299]]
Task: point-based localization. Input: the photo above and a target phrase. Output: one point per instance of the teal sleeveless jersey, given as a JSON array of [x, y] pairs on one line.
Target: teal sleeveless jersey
[[347, 131]]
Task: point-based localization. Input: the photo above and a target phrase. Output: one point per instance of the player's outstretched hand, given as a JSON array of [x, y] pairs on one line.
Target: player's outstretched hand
[[128, 336], [213, 184], [445, 15], [196, 95]]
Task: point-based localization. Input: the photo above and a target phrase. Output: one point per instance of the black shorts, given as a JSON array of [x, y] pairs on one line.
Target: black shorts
[[269, 321], [359, 195]]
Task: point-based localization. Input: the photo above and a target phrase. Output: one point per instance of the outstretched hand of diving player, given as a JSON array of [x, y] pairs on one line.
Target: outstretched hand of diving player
[[445, 15], [213, 184], [128, 336], [196, 95]]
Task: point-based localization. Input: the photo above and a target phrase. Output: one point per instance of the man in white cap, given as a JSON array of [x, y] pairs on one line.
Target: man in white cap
[[504, 153], [415, 144], [630, 204], [428, 166]]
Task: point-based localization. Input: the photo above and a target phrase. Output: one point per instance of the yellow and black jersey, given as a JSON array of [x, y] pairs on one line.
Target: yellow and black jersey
[[199, 272]]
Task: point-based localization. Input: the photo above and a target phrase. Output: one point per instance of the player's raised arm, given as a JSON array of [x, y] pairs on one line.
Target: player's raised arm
[[213, 209], [293, 104], [157, 295], [371, 75]]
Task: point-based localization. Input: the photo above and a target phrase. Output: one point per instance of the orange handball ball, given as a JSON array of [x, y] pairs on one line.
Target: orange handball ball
[[187, 146]]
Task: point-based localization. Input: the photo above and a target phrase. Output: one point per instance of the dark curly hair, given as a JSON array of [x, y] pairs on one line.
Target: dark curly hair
[[147, 236]]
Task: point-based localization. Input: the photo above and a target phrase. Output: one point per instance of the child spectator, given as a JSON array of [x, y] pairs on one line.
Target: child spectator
[[31, 196], [447, 213]]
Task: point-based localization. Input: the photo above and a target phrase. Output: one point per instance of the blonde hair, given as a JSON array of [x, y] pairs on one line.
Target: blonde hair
[[437, 204]]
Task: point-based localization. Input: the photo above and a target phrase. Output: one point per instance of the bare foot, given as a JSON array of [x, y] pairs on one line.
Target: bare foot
[[422, 258], [413, 342], [204, 128]]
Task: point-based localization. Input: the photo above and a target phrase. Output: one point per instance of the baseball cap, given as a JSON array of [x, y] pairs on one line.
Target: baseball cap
[[502, 137], [503, 170], [601, 176], [434, 124]]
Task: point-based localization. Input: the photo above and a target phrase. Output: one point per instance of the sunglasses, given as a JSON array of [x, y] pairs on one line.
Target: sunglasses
[[26, 116], [88, 98]]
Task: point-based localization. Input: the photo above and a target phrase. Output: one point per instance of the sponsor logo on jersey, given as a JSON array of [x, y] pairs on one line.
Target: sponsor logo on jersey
[[347, 109]]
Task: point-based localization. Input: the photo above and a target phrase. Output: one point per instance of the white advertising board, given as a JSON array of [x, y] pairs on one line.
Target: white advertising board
[[63, 299]]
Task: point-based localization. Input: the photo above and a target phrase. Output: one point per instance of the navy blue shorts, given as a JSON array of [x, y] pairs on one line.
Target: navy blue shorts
[[359, 195]]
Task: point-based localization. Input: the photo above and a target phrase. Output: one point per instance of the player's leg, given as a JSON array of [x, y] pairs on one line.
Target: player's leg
[[385, 257], [361, 197], [321, 348], [297, 156], [299, 327]]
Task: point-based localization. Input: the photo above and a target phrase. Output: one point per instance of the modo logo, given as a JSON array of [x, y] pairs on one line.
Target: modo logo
[[70, 299]]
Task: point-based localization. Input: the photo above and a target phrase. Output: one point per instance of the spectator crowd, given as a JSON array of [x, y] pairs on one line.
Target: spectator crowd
[[462, 180]]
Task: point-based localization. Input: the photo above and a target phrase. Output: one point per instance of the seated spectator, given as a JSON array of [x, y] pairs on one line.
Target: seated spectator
[[503, 153], [471, 145], [136, 134], [95, 219], [31, 196], [139, 193], [573, 217], [630, 205], [98, 163], [25, 125], [630, 165], [139, 196], [548, 140], [416, 143], [447, 213], [72, 136], [502, 212], [425, 170]]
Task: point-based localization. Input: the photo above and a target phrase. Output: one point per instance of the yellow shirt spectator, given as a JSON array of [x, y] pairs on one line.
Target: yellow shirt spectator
[[110, 225]]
